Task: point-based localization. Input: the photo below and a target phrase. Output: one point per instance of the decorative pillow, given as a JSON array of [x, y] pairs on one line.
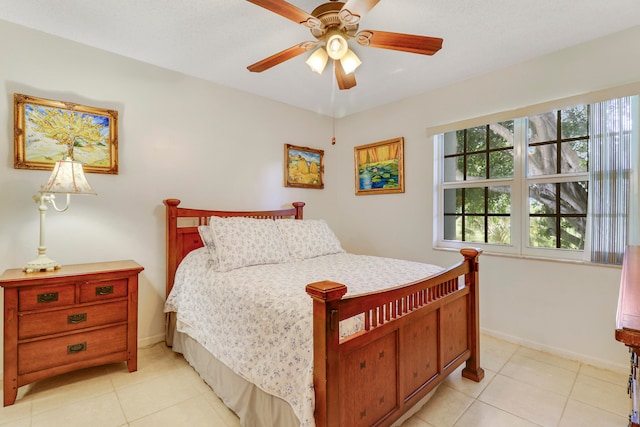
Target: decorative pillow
[[206, 234], [308, 238], [242, 242]]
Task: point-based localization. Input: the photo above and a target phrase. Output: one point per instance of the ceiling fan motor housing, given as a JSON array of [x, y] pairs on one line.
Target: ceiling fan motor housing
[[329, 16]]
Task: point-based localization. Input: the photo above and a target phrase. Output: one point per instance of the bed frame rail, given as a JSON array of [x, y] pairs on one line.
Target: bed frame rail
[[413, 337]]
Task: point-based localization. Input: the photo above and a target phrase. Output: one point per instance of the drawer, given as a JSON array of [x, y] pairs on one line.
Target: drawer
[[41, 297], [71, 319], [43, 354], [98, 291]]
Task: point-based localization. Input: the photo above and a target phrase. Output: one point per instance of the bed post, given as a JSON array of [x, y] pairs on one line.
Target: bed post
[[298, 206], [172, 247], [472, 370], [326, 359], [172, 240]]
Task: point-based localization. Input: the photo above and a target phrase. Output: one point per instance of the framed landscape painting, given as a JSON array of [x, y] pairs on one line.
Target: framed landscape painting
[[379, 167], [303, 167], [46, 131]]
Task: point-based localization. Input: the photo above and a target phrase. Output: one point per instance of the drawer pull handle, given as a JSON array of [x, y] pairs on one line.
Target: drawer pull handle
[[76, 348], [50, 297], [77, 318], [104, 290]]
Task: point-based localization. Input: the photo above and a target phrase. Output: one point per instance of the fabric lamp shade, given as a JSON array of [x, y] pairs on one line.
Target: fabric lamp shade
[[68, 177]]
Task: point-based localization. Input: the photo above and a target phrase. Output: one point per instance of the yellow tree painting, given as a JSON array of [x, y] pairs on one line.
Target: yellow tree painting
[[47, 131], [67, 129]]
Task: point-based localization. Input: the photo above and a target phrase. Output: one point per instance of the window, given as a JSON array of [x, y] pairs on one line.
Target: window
[[475, 211], [522, 186], [557, 178]]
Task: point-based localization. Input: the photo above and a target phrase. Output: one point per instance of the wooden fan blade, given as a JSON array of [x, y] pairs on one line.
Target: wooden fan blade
[[353, 10], [397, 41], [345, 81], [289, 11], [280, 57]]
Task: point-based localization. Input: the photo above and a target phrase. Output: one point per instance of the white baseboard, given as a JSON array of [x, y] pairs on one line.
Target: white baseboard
[[149, 341], [600, 363]]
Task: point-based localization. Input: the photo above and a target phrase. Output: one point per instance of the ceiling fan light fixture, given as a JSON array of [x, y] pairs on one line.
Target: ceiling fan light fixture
[[337, 45], [350, 62], [318, 60]]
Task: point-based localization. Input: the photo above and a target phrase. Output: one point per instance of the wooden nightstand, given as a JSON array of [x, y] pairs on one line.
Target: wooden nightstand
[[75, 317]]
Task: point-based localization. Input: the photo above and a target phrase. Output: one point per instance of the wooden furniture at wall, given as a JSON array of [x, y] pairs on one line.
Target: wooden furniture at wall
[[415, 335], [628, 322], [75, 317]]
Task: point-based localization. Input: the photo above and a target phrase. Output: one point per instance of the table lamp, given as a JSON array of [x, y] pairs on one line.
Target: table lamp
[[67, 178]]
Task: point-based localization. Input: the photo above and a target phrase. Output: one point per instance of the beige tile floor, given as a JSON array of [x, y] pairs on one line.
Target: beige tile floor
[[522, 388]]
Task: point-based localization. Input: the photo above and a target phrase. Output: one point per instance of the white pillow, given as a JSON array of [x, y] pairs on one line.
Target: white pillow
[[206, 234], [242, 242], [308, 238]]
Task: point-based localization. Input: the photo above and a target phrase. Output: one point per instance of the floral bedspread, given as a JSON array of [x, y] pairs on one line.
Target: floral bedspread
[[258, 320]]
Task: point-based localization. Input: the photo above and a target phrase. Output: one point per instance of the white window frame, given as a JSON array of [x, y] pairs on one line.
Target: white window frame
[[519, 218]]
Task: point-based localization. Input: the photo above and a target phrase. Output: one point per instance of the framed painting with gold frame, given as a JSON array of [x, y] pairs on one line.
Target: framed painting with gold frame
[[379, 167], [303, 167], [46, 131]]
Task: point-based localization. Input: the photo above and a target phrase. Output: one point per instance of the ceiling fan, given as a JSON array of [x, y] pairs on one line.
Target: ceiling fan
[[333, 24]]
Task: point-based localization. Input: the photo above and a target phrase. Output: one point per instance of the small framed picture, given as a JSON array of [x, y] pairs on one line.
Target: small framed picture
[[379, 167], [303, 167], [47, 131]]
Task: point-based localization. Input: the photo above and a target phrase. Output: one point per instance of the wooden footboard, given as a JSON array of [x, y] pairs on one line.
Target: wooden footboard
[[414, 336]]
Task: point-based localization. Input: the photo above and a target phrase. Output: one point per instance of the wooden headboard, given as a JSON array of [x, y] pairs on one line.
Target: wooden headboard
[[182, 229]]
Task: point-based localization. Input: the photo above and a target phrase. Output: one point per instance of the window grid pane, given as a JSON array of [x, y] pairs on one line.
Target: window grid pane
[[482, 152], [558, 214], [478, 214], [558, 142]]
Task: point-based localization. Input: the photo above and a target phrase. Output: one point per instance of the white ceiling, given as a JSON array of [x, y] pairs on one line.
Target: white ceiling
[[217, 39]]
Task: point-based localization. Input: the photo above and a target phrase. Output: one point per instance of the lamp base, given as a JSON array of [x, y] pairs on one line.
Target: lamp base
[[42, 263]]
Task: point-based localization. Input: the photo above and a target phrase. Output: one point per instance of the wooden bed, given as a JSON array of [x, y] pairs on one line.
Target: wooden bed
[[415, 335]]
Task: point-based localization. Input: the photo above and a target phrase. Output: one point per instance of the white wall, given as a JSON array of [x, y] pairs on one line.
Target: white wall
[[560, 307], [215, 147], [179, 137]]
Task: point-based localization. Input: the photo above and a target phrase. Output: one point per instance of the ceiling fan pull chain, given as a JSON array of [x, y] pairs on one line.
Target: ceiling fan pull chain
[[333, 106]]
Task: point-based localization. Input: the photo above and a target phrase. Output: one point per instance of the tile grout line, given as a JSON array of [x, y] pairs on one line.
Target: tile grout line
[[573, 385]]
